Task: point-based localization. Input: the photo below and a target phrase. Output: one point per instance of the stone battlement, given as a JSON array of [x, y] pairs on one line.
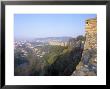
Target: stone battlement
[[91, 25], [91, 33], [88, 63]]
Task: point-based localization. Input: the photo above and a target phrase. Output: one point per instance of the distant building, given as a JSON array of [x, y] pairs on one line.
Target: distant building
[[55, 42]]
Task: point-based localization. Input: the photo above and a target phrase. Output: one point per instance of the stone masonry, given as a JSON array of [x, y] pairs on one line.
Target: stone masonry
[[88, 64]]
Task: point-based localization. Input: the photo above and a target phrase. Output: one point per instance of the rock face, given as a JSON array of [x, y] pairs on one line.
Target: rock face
[[67, 61], [88, 64]]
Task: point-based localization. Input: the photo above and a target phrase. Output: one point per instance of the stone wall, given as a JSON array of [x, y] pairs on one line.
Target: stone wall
[[88, 64], [91, 34]]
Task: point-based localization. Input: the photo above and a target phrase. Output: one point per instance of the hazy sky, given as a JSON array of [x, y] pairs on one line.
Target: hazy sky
[[49, 25]]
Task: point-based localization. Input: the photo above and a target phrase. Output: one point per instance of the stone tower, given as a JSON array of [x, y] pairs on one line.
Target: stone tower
[[91, 34], [88, 64]]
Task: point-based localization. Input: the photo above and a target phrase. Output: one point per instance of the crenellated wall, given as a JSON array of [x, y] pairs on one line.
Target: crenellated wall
[[91, 34], [88, 64]]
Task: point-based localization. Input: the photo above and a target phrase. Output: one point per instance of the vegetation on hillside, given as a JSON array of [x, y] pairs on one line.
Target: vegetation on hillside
[[58, 61]]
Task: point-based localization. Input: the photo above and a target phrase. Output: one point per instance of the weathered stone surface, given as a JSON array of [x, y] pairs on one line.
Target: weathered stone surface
[[88, 64]]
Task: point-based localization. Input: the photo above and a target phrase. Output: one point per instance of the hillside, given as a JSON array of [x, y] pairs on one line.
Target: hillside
[[66, 61]]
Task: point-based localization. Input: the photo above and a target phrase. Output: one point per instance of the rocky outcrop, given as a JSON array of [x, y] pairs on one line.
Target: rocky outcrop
[[88, 64], [67, 61]]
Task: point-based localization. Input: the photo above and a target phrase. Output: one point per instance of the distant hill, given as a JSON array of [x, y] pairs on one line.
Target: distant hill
[[54, 38]]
